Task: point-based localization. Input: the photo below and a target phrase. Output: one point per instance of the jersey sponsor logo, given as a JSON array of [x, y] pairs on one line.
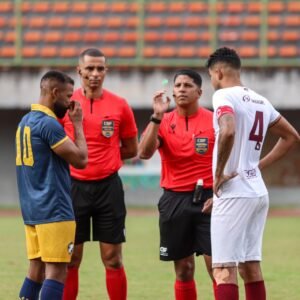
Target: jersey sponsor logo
[[250, 173], [108, 128], [163, 251], [201, 145], [71, 248], [246, 98]]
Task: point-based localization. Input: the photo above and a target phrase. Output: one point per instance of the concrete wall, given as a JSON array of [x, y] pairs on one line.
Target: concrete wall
[[20, 87]]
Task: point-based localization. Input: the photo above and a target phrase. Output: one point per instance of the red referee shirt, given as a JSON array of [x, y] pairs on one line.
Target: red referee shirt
[[106, 120], [186, 150]]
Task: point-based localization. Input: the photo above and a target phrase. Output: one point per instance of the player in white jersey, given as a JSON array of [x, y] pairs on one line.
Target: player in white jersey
[[241, 120]]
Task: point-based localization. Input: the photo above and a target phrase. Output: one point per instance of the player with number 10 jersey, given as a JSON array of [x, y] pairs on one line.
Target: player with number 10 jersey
[[253, 116]]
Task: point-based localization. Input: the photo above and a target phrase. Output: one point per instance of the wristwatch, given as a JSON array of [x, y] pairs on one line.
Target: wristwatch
[[154, 120]]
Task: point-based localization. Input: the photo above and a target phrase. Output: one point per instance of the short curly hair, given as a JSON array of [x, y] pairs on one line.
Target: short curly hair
[[226, 55]]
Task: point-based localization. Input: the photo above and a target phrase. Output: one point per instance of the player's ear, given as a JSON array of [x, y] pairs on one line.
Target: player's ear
[[54, 92], [199, 91], [79, 71]]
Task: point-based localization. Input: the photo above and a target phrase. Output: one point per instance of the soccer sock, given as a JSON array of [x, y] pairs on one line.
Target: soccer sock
[[116, 284], [215, 286], [30, 289], [228, 291], [71, 284], [52, 289], [255, 290], [185, 290]]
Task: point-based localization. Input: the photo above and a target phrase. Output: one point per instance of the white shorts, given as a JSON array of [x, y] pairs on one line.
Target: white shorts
[[237, 226]]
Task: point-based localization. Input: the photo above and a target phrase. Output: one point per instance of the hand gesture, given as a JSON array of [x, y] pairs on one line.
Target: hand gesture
[[75, 112], [159, 105], [220, 180]]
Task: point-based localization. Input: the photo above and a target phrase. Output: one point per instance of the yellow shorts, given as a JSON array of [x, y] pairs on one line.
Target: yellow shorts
[[52, 242]]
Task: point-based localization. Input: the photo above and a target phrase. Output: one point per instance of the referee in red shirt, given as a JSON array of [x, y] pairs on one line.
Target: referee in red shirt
[[97, 191], [184, 138]]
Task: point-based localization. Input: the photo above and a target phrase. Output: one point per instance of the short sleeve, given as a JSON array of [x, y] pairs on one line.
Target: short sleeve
[[274, 115], [52, 132], [221, 104], [128, 127]]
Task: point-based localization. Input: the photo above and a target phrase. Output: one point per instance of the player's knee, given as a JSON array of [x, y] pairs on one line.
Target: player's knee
[[112, 259], [185, 270]]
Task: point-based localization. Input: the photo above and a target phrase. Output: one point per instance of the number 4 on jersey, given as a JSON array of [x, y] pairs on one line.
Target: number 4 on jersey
[[256, 133]]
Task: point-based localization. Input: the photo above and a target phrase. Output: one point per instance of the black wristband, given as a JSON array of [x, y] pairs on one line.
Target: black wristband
[[154, 120]]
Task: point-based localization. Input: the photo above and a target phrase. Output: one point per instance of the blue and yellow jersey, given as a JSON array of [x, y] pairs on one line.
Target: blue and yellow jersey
[[43, 177]]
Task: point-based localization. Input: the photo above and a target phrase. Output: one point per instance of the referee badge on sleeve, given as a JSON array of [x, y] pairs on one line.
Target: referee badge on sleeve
[[201, 145], [108, 128]]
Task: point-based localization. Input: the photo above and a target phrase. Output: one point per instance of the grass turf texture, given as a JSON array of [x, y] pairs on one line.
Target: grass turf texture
[[148, 278]]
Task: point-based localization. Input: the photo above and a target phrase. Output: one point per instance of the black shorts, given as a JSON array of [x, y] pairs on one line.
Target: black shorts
[[184, 229], [102, 204]]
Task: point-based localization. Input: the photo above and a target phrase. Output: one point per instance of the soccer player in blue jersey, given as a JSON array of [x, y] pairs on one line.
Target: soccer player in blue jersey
[[43, 152]]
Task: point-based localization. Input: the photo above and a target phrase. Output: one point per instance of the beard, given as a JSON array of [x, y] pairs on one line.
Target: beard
[[59, 110]]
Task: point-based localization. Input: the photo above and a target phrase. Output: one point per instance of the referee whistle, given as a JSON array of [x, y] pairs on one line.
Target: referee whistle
[[198, 191]]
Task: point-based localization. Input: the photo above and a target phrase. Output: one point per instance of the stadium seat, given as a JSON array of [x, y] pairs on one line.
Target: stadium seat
[[288, 51], [119, 7], [10, 36], [99, 7], [254, 7], [29, 51], [2, 22], [60, 7], [249, 35], [130, 36], [235, 7], [276, 6], [252, 21], [203, 51], [36, 22], [114, 22], [205, 36], [290, 36], [25, 7], [32, 36], [8, 52], [170, 36], [72, 36], [271, 51], [56, 22], [48, 51], [91, 36], [109, 51], [79, 7], [187, 52], [76, 22], [131, 21], [6, 6], [52, 36], [196, 7], [133, 7], [273, 35], [152, 36], [193, 21], [111, 36], [228, 36], [150, 51], [127, 52], [189, 36], [167, 51], [94, 22], [248, 51], [291, 20], [294, 6], [40, 7], [153, 21], [173, 21], [68, 52], [156, 7], [274, 20], [177, 7], [220, 7]]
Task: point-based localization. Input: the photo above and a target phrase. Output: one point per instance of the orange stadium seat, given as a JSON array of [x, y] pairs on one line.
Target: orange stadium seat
[[204, 51], [36, 22], [130, 36], [288, 51], [230, 21], [187, 51], [249, 35], [248, 51], [114, 22], [8, 51], [153, 21], [220, 7], [56, 22], [193, 21], [290, 36], [10, 36], [109, 51], [291, 20], [119, 7], [68, 52], [76, 22], [80, 7], [276, 6], [150, 51], [170, 36], [99, 7], [254, 7], [94, 22], [205, 36], [190, 36], [72, 36], [6, 6], [60, 7], [52, 36], [177, 7], [111, 36], [48, 51], [167, 51], [25, 7], [133, 7], [152, 36], [156, 7], [32, 36], [235, 7], [127, 52], [228, 36], [252, 21], [1, 35], [2, 22], [29, 51], [196, 7], [274, 20], [271, 51], [173, 21], [131, 21], [293, 6], [41, 7], [91, 36], [273, 35]]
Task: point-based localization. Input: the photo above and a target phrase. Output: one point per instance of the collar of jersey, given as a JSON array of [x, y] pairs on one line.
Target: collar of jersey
[[191, 116], [95, 99], [44, 109]]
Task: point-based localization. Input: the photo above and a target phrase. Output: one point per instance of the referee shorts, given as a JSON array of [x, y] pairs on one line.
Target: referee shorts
[[184, 229], [99, 205]]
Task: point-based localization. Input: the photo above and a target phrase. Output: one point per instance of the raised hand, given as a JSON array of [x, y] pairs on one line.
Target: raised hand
[[75, 112], [159, 105]]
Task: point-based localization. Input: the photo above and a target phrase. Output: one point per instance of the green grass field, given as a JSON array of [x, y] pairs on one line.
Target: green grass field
[[148, 278]]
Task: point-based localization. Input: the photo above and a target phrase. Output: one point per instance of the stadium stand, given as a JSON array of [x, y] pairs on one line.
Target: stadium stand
[[141, 31]]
